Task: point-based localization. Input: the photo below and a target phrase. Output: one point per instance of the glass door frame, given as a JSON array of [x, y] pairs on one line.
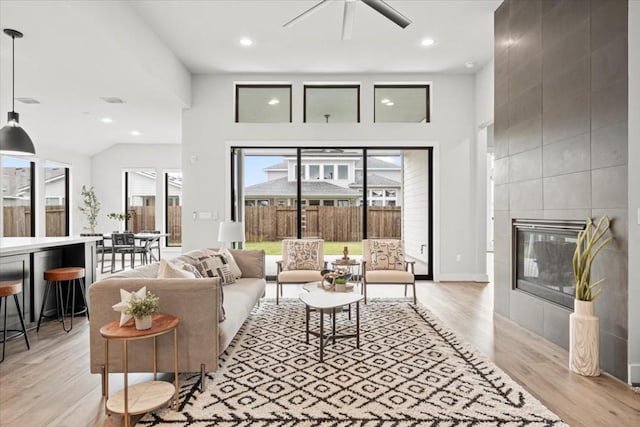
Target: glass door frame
[[234, 204]]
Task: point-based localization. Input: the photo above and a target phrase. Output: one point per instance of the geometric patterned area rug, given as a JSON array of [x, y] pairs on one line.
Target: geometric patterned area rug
[[410, 370]]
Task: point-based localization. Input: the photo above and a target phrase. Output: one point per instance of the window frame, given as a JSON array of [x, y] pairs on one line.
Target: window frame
[[239, 86], [426, 86], [330, 86]]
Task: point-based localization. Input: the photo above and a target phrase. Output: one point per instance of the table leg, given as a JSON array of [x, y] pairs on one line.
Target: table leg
[[358, 324], [176, 400], [106, 375], [333, 331], [321, 334], [155, 360], [307, 310], [127, 421]]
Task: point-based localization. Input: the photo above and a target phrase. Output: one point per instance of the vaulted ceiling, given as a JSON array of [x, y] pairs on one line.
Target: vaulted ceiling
[[144, 52]]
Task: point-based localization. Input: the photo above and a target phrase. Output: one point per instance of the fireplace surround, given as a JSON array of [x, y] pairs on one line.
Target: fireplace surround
[[542, 258]]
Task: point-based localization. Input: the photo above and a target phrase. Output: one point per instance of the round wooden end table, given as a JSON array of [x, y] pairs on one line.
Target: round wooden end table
[[150, 395]]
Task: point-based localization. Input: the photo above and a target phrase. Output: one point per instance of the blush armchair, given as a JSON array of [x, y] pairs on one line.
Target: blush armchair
[[302, 261], [383, 263]]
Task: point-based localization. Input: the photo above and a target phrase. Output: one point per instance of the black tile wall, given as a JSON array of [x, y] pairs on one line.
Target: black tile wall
[[561, 145]]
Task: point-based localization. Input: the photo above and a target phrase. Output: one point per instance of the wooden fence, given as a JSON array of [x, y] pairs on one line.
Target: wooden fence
[[17, 221], [331, 223]]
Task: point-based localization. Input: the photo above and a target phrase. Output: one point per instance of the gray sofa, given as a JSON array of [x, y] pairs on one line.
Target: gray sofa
[[201, 337]]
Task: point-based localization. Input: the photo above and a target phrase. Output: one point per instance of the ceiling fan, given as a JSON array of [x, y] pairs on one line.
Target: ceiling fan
[[349, 10]]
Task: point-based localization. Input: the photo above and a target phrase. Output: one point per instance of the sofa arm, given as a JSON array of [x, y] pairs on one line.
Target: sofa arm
[[193, 301], [250, 261]]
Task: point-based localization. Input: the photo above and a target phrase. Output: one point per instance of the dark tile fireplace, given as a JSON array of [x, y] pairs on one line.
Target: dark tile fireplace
[[542, 257]]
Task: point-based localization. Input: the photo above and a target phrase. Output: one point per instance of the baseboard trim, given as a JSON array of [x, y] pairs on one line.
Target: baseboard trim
[[482, 278], [634, 374]]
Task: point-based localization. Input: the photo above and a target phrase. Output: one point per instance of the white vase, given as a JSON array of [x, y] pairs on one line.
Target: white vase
[[143, 323], [584, 340]]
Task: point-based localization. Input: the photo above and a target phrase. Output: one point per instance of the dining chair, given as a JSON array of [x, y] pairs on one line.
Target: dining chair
[[101, 249], [125, 244]]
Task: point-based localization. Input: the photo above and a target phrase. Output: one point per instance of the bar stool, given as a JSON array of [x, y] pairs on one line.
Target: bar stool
[[55, 277], [8, 288]]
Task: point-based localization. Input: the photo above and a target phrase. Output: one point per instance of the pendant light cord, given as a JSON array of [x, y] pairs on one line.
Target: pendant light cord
[[13, 73]]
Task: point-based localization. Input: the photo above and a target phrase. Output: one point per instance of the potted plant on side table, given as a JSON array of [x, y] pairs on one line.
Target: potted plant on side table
[[584, 336], [142, 308]]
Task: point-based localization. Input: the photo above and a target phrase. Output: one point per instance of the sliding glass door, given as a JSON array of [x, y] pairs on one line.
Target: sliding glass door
[[341, 195]]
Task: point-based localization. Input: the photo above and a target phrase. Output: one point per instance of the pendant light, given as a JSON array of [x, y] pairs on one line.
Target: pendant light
[[13, 139]]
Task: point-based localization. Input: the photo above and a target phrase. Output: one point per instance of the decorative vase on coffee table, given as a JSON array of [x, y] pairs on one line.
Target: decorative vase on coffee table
[[584, 336], [143, 323]]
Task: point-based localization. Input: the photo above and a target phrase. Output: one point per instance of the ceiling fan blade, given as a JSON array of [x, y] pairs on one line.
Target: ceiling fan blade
[[307, 13], [388, 12], [347, 20]]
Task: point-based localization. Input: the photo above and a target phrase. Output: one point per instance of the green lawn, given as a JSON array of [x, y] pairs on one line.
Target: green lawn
[[330, 248]]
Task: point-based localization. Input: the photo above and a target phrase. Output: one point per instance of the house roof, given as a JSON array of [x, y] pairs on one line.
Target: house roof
[[374, 180], [283, 165], [284, 187], [377, 163]]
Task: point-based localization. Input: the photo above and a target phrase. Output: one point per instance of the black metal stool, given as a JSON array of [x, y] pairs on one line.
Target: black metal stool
[[7, 289], [55, 277]]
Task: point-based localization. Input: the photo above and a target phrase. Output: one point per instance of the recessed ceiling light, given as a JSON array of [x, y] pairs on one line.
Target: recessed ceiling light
[[469, 64], [112, 100], [135, 133], [106, 120], [274, 101], [28, 100], [246, 41], [385, 100], [389, 104], [427, 42]]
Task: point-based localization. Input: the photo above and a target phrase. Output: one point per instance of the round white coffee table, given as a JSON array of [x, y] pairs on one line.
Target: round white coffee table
[[324, 301]]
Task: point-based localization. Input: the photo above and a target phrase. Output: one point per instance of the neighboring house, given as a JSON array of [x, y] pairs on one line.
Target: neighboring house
[[327, 181], [143, 188]]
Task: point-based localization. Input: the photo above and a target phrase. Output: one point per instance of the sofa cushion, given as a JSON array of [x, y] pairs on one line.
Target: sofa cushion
[[215, 266], [145, 271], [250, 261], [386, 254], [168, 270], [240, 297], [303, 254]]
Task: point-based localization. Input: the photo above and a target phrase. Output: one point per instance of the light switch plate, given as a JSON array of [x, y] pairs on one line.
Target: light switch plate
[[204, 215]]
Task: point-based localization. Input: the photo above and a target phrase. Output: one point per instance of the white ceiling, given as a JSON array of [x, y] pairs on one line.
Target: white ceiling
[[75, 52]]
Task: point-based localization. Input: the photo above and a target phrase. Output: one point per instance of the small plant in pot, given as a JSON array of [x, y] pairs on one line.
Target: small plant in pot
[[121, 217], [142, 308], [584, 350]]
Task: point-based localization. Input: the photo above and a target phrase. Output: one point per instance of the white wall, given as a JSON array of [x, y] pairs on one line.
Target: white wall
[[106, 175], [634, 192], [484, 95], [208, 128]]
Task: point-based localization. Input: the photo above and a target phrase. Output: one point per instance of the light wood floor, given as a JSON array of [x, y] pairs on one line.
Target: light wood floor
[[50, 385]]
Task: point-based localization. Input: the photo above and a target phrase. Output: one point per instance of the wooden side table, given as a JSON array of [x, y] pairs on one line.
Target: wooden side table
[[150, 395]]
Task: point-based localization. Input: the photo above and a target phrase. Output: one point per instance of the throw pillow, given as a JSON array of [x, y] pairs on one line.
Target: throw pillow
[[215, 266], [233, 265], [303, 255], [192, 269], [387, 255], [168, 270]]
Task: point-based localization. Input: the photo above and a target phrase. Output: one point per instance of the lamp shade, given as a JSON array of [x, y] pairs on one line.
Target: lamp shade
[[14, 140], [230, 231]]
